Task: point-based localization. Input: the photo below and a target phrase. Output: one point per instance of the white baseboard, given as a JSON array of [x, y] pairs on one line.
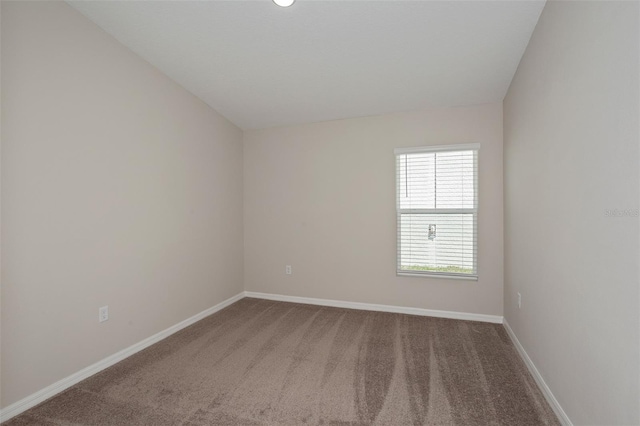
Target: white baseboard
[[551, 399], [381, 308], [61, 385]]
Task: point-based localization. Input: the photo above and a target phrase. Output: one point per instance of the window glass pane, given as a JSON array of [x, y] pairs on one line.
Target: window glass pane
[[454, 186], [416, 181], [436, 180], [437, 242]]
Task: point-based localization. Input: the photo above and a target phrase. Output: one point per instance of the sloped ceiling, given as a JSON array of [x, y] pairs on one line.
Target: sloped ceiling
[[261, 66]]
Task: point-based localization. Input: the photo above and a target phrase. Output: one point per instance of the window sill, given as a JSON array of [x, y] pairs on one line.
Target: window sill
[[436, 275]]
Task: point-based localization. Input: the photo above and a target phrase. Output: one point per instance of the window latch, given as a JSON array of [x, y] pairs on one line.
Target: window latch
[[431, 233]]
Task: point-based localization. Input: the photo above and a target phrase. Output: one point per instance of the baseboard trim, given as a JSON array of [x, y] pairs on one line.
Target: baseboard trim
[[63, 384], [380, 308], [551, 399]]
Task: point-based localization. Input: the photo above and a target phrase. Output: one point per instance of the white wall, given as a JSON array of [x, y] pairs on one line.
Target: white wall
[[571, 154], [0, 207], [321, 197], [119, 188]]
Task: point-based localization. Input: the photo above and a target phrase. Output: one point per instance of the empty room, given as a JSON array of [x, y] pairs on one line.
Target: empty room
[[302, 212]]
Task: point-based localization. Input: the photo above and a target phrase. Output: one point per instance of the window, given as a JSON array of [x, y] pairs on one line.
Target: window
[[437, 210]]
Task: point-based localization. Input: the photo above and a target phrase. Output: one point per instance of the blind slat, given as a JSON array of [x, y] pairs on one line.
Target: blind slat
[[437, 211]]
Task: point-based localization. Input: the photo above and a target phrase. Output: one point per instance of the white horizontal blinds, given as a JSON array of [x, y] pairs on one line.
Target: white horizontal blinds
[[437, 210], [448, 248]]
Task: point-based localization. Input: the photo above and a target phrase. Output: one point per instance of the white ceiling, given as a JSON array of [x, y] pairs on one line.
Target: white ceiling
[[261, 66]]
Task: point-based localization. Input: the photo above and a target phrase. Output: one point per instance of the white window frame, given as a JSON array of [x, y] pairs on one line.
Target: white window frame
[[474, 211]]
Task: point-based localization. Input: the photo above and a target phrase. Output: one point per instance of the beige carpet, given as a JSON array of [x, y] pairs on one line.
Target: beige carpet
[[260, 362]]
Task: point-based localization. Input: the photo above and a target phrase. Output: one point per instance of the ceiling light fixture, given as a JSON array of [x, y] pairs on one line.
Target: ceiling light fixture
[[284, 3]]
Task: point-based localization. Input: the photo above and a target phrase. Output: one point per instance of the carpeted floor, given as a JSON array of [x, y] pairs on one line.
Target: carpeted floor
[[260, 362]]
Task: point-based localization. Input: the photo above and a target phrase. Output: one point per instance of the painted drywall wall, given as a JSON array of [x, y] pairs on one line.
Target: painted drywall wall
[[0, 207], [119, 188], [321, 198], [571, 161]]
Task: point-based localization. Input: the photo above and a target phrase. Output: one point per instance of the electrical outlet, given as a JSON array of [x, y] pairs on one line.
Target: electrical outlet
[[519, 300], [287, 269], [103, 314]]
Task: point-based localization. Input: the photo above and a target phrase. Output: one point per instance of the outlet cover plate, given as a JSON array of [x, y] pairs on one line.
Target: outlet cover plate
[[103, 314]]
